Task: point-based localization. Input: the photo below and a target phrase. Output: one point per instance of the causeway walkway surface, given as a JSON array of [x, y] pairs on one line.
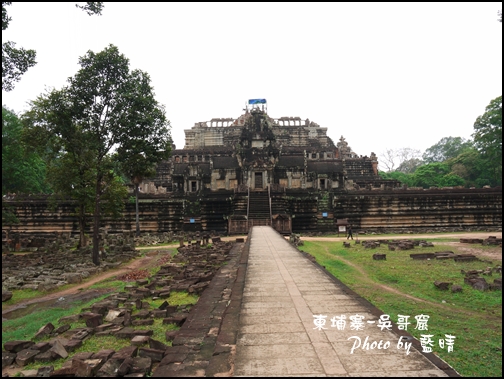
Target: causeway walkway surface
[[277, 336]]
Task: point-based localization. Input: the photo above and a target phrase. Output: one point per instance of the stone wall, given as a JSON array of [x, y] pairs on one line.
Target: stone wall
[[310, 211]]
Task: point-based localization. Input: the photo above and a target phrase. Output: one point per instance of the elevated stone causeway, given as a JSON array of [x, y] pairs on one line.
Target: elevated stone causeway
[[276, 334]]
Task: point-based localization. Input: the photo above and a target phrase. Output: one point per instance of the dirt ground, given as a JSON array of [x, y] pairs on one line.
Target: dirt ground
[[150, 259], [79, 289]]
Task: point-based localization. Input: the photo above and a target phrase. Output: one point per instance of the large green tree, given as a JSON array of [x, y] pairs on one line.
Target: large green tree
[[105, 109], [446, 148], [473, 167], [16, 61], [23, 170], [488, 137], [436, 175]]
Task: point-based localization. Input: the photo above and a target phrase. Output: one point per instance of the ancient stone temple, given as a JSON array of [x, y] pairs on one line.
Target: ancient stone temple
[[285, 172], [263, 161], [258, 152]]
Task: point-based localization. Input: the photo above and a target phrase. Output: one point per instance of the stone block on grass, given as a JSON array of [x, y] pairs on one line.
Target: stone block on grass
[[141, 365], [103, 354], [7, 358], [110, 367], [25, 357], [140, 340], [154, 354], [44, 331], [17, 346], [59, 349], [47, 356], [126, 352]]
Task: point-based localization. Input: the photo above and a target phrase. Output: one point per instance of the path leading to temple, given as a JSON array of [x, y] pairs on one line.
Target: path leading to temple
[[277, 335]]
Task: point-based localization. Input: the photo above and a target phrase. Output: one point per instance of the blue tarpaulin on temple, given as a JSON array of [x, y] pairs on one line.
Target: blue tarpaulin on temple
[[257, 101]]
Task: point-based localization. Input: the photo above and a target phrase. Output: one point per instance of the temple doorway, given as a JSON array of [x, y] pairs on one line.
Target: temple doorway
[[258, 180]]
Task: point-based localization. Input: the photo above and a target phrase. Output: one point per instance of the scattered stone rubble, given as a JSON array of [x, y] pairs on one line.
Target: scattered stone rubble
[[45, 271], [490, 241], [295, 239], [126, 315], [473, 279]]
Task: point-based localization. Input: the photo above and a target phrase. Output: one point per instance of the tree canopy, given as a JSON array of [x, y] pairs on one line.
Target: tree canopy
[[23, 170], [446, 148], [16, 61], [488, 136], [105, 109]]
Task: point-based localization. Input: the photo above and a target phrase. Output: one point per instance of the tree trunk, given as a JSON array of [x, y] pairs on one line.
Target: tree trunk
[[136, 211], [96, 225], [82, 227]]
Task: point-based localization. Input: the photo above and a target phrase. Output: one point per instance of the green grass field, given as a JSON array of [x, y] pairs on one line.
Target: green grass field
[[401, 285]]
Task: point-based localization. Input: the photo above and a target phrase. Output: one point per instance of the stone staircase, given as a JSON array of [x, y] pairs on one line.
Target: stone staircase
[[325, 217], [259, 210]]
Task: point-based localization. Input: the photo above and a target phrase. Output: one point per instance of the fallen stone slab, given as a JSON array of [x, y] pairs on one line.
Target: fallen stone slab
[[83, 355], [72, 277], [94, 320], [113, 313], [456, 288], [17, 346], [103, 354], [60, 330], [26, 356], [142, 332], [479, 284], [141, 365], [125, 367], [423, 256], [154, 354], [142, 322], [80, 334], [44, 331], [110, 367], [102, 327], [171, 334], [6, 295], [471, 240], [64, 372], [29, 373], [465, 258], [126, 352], [175, 319], [158, 345], [442, 285], [47, 356], [7, 358], [158, 313], [59, 349], [140, 340], [72, 345], [45, 371], [144, 313], [82, 369]]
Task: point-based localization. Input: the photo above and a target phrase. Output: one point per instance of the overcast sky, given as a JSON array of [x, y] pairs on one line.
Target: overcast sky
[[383, 75]]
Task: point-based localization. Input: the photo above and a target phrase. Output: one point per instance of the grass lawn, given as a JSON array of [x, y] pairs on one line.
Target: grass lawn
[[401, 285]]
